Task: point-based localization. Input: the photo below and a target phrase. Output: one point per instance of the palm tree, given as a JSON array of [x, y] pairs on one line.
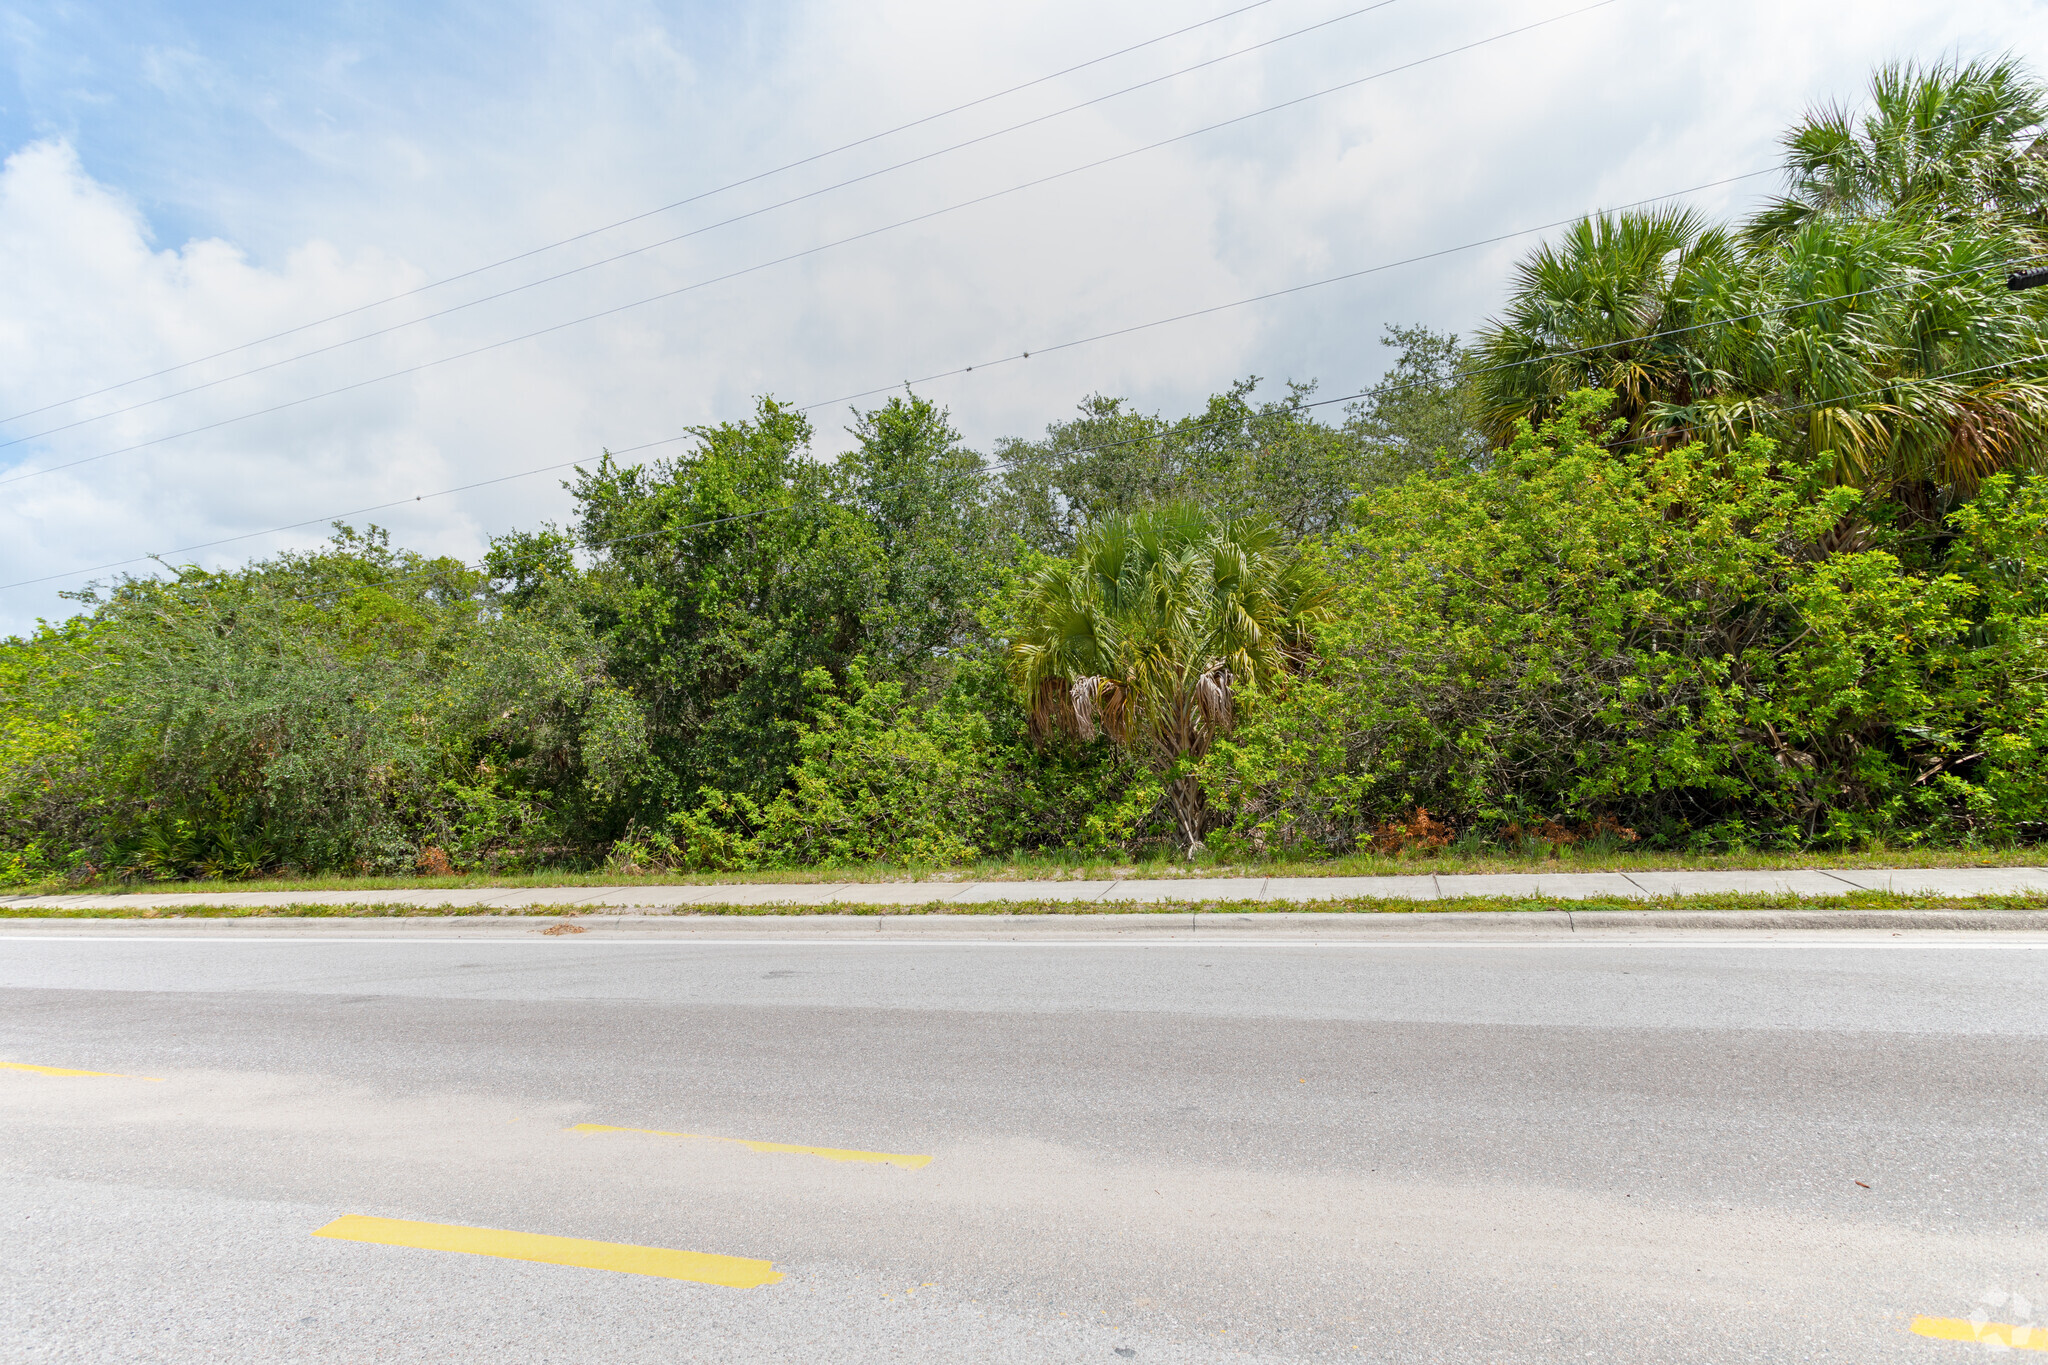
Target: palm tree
[[1863, 319], [1948, 142], [1587, 313], [1892, 349], [1153, 626]]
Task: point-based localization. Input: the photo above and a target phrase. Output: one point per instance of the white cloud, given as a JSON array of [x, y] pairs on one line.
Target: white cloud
[[358, 166], [100, 304]]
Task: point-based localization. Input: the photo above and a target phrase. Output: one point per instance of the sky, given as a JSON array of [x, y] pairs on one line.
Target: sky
[[193, 194]]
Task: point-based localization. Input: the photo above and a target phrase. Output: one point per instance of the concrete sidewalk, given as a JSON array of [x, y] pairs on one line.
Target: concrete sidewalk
[[1564, 886]]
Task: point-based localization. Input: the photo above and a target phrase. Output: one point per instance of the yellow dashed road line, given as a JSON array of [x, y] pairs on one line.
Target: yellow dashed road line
[[908, 1161], [68, 1071], [1989, 1333], [733, 1272]]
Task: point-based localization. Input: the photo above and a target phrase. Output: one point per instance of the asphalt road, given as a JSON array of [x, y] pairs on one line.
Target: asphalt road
[[1658, 1147]]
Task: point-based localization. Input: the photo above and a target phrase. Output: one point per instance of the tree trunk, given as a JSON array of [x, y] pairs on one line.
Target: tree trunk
[[1186, 796]]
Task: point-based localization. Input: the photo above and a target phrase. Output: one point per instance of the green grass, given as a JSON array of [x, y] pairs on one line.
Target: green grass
[[1855, 900], [1061, 867]]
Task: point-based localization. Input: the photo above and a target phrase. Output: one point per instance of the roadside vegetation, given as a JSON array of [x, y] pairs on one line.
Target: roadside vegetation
[[1724, 542]]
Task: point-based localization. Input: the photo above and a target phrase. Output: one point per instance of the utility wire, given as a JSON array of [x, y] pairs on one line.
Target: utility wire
[[944, 374], [765, 511], [1182, 429], [936, 375], [814, 250], [1082, 341], [1356, 274], [1380, 389], [488, 298], [1275, 294], [672, 240], [788, 507], [2038, 359], [650, 213]]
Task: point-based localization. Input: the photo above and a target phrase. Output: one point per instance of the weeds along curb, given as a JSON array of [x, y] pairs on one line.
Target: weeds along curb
[[1748, 908]]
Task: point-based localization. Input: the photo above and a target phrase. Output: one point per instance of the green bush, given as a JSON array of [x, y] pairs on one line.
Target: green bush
[[876, 781], [1715, 649], [881, 777], [337, 710]]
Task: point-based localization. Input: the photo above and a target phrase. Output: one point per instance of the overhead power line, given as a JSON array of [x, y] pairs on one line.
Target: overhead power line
[[2022, 281], [649, 213], [811, 251], [1866, 393], [2025, 269], [1323, 402], [1455, 376], [616, 257], [1275, 293], [943, 374]]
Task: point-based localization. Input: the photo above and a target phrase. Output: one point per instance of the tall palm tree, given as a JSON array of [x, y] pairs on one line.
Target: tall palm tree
[[1152, 627], [1891, 348], [1586, 313], [1864, 318], [1951, 142]]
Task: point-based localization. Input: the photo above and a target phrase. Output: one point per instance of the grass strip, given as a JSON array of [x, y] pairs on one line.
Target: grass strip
[[1736, 901]]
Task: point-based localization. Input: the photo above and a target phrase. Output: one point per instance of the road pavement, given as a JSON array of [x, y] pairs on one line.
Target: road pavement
[[1469, 1144]]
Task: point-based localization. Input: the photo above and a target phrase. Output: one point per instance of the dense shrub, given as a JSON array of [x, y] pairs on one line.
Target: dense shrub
[[1708, 648], [881, 779], [330, 711]]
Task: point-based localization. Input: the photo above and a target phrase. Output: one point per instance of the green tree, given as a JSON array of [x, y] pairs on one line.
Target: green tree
[[926, 496], [720, 579], [1952, 142], [1239, 455], [1419, 416], [879, 780], [1888, 347], [1272, 459], [332, 709], [1152, 630], [1107, 460], [1890, 352]]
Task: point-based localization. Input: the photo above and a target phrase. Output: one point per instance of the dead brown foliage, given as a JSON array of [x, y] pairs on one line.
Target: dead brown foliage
[[1417, 833], [1562, 836]]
